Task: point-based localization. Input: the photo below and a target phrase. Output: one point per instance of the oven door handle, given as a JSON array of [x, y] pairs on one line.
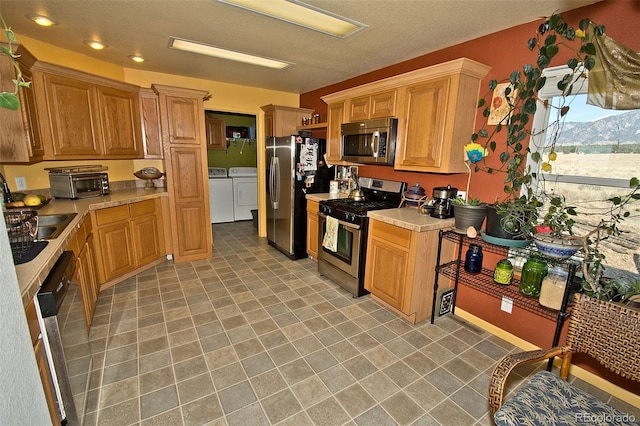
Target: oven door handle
[[342, 222]]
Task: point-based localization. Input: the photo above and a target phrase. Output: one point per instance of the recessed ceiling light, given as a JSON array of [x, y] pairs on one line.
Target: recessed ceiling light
[[136, 58], [95, 44], [304, 15], [41, 20], [218, 52]]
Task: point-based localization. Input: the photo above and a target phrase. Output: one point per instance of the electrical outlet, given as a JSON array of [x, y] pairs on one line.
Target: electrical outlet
[[21, 183], [462, 194], [507, 304]]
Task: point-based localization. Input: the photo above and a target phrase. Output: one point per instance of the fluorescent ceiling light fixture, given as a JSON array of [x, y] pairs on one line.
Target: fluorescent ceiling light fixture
[[218, 52], [95, 44], [41, 20], [301, 14], [136, 58]]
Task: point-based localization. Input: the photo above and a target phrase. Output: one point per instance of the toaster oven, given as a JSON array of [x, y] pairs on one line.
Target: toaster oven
[[75, 185]]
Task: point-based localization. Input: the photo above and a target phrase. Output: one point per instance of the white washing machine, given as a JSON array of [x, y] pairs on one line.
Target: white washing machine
[[220, 195], [245, 191]]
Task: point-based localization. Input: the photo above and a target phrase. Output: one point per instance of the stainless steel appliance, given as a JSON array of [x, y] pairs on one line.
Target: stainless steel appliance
[[369, 142], [345, 265], [78, 182], [442, 196], [66, 339], [295, 167]]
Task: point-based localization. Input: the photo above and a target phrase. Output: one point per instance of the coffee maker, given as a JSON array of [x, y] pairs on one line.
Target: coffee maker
[[442, 196]]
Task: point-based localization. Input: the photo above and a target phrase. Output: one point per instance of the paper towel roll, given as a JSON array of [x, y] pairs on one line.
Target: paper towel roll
[[334, 187]]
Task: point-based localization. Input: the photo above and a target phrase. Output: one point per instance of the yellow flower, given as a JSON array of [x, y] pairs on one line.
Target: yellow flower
[[580, 33], [553, 156], [475, 152], [546, 167]]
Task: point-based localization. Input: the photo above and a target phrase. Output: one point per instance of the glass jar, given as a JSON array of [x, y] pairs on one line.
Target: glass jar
[[552, 289], [473, 259], [533, 271], [503, 272]]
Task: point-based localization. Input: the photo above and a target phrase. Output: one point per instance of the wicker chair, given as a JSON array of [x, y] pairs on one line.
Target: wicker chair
[[608, 332]]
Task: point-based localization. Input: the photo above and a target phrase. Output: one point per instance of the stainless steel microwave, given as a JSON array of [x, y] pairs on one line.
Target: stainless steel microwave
[[369, 142], [78, 184]]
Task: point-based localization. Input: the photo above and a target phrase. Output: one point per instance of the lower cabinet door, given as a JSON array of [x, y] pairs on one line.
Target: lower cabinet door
[[386, 272], [87, 281], [146, 239], [47, 381], [116, 248]]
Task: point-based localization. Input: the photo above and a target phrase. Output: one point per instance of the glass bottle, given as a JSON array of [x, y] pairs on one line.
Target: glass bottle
[[533, 271], [473, 259], [552, 289], [503, 273]]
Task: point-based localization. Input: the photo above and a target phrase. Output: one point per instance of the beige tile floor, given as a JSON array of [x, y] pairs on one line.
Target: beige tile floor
[[251, 337]]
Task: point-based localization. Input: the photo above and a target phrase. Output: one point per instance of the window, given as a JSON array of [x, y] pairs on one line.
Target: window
[[597, 152]]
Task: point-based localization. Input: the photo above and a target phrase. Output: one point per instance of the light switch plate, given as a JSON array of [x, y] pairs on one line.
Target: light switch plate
[[507, 304], [21, 183]]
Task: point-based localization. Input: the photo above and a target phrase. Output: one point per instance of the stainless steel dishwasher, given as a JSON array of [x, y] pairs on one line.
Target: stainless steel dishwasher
[[66, 338]]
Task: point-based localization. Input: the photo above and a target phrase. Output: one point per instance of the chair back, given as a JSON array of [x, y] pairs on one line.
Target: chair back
[[609, 332]]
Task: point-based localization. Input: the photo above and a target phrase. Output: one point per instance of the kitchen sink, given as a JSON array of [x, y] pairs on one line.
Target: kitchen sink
[[50, 226]]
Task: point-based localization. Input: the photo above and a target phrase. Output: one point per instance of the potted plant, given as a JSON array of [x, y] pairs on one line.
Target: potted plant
[[10, 100], [526, 209], [470, 212]]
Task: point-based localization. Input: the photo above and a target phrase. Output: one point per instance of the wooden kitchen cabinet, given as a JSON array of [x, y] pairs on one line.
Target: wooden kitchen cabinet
[[335, 118], [400, 269], [84, 116], [86, 277], [435, 107], [437, 119], [151, 129], [128, 237], [312, 229], [216, 133], [41, 360], [185, 154], [283, 120], [20, 140], [147, 231], [377, 105]]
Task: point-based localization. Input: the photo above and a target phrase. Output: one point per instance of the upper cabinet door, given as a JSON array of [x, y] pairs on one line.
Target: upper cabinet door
[[72, 114], [421, 130], [151, 131], [183, 114], [120, 124], [216, 133]]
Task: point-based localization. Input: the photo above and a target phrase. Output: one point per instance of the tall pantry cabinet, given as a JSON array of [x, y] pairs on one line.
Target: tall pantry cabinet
[[185, 156]]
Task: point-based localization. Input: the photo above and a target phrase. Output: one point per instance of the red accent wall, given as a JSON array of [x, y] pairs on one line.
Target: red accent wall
[[504, 52]]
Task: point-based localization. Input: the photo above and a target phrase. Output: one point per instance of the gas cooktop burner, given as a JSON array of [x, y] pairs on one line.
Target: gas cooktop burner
[[379, 195]]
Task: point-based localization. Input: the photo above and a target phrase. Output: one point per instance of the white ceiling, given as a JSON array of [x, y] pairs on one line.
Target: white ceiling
[[398, 30]]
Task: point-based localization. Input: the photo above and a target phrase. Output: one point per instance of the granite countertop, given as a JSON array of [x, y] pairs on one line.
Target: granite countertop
[[410, 218], [326, 196], [32, 274]]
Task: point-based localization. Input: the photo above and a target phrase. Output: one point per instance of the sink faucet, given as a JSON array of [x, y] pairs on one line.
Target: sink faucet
[[5, 189]]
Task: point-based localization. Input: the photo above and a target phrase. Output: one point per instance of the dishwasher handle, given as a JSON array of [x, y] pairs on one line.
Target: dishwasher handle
[[54, 288]]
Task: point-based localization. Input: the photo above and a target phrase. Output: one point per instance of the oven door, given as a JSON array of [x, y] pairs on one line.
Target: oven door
[[349, 242]]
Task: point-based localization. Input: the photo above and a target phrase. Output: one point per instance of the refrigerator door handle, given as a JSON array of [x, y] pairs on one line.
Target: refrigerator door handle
[[275, 194]]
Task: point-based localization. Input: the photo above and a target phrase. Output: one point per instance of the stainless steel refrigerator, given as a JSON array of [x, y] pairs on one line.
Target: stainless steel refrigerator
[[295, 167]]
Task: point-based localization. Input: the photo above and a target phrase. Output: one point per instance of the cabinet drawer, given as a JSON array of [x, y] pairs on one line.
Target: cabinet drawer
[[112, 214], [312, 207], [142, 208], [390, 233]]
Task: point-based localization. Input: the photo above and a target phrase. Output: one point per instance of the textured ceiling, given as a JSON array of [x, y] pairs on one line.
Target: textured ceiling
[[398, 30]]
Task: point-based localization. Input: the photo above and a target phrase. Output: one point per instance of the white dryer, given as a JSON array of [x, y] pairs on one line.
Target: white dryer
[[220, 195], [245, 191]]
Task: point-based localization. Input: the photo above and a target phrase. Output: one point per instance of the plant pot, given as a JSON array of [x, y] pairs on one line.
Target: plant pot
[[466, 216], [499, 226]]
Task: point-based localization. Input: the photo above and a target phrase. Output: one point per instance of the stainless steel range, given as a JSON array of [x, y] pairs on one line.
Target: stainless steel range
[[341, 256]]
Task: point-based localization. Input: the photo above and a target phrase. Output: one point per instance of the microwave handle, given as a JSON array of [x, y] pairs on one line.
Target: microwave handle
[[375, 142]]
